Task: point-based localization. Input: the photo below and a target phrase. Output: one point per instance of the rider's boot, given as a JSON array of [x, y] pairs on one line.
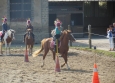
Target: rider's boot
[[54, 48], [0, 39], [24, 38]]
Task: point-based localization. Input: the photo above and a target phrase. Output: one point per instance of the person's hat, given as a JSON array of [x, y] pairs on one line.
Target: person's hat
[[28, 21], [4, 19], [58, 24]]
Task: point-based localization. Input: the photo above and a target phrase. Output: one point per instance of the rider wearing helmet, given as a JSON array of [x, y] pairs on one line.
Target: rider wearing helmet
[[29, 26], [57, 30], [4, 27]]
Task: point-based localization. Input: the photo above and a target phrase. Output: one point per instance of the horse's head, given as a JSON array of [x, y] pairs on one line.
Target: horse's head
[[68, 35], [11, 33]]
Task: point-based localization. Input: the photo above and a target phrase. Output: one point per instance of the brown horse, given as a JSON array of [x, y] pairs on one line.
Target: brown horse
[[64, 39], [29, 41], [8, 37]]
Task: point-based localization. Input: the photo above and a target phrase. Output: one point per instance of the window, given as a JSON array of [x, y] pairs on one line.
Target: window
[[20, 10]]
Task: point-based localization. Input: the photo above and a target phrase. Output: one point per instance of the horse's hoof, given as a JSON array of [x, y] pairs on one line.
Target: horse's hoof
[[62, 65], [1, 54], [42, 65]]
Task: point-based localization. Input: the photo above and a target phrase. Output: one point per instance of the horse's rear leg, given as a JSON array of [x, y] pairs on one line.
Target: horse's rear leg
[[45, 53], [53, 55]]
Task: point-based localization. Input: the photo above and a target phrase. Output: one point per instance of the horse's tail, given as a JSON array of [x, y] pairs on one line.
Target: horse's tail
[[36, 53]]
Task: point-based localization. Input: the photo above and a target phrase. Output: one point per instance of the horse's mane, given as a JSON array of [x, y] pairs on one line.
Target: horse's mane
[[10, 31], [65, 32]]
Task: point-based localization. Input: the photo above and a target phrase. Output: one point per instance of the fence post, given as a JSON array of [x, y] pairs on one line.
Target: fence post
[[69, 28], [89, 31]]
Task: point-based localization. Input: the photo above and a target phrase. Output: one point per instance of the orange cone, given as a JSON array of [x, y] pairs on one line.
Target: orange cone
[[57, 68], [95, 78], [26, 56]]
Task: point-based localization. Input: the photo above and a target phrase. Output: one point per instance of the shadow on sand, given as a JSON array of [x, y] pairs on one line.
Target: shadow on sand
[[76, 70]]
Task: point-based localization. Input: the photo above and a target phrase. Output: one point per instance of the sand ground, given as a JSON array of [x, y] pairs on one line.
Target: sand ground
[[13, 69]]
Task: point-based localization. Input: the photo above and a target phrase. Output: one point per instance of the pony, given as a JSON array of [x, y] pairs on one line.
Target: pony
[[63, 49], [7, 40], [29, 41]]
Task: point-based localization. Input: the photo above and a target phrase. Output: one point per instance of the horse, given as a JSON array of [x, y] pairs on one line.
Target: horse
[[29, 41], [7, 40], [63, 49]]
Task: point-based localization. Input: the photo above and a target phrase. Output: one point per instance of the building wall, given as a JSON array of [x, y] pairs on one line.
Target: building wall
[[3, 8], [39, 20]]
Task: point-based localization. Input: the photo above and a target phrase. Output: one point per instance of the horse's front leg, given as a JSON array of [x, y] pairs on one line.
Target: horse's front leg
[[9, 49], [5, 47], [65, 59], [31, 51]]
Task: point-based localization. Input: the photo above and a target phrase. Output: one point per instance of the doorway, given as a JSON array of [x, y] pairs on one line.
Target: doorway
[[65, 19]]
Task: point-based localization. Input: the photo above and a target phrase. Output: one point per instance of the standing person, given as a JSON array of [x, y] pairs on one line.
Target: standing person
[[113, 32], [29, 26], [110, 36], [4, 27]]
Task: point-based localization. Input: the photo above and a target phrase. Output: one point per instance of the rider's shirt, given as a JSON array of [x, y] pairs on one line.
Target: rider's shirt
[[5, 27], [57, 30], [29, 27]]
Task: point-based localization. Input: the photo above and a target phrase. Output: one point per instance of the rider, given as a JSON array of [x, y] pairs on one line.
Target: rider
[[57, 30], [4, 27], [29, 26]]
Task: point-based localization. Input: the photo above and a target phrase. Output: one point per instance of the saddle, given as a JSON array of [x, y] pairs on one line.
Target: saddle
[[1, 36], [29, 30], [1, 33], [53, 44]]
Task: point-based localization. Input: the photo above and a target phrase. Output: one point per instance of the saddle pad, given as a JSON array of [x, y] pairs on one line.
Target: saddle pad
[[1, 33], [52, 44]]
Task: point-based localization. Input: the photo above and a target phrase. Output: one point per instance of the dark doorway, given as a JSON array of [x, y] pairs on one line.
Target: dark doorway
[[77, 18], [52, 17], [65, 19]]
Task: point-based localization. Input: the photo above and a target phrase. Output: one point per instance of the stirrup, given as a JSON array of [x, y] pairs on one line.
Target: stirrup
[[54, 49]]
